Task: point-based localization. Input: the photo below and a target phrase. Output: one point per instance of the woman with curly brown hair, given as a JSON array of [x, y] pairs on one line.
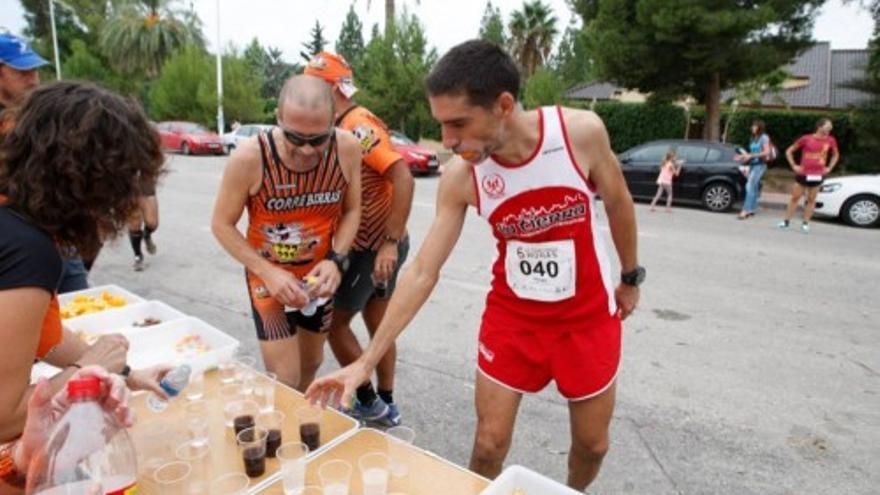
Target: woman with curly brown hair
[[70, 171]]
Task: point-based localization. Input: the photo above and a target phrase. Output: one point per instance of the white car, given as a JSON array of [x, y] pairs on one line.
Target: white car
[[854, 198], [232, 139]]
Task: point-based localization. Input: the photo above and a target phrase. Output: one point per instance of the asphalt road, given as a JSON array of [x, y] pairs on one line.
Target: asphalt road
[[751, 366]]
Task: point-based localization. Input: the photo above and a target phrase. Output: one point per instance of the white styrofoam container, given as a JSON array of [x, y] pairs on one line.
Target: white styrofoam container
[[122, 319], [155, 345], [528, 482], [130, 297]]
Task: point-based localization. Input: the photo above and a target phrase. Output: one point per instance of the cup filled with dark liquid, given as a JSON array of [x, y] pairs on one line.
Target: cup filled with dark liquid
[[310, 426], [252, 444], [273, 423]]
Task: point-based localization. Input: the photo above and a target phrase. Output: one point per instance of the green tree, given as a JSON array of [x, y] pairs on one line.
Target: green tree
[[240, 101], [585, 9], [175, 94], [351, 39], [532, 31], [141, 34], [545, 87], [38, 28], [492, 25], [573, 62], [392, 74], [316, 44], [697, 48]]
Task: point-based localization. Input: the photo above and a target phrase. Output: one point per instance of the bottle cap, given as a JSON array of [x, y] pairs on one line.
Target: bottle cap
[[87, 387]]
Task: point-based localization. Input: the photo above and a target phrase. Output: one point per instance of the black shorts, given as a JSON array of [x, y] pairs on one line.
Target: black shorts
[[804, 180], [274, 321], [357, 288]]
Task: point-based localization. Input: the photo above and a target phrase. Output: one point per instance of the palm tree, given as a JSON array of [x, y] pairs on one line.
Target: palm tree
[[142, 34], [532, 30]]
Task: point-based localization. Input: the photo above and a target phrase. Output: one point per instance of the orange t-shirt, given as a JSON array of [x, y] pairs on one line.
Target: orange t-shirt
[[379, 155]]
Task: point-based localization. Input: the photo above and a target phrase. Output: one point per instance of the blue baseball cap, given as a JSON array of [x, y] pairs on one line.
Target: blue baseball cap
[[16, 53]]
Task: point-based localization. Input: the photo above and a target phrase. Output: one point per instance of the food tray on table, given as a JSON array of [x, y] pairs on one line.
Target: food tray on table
[[124, 320], [517, 480], [428, 474], [95, 300], [184, 340]]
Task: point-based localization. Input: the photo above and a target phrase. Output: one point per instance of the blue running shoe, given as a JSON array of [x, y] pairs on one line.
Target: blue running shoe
[[377, 413], [394, 414]]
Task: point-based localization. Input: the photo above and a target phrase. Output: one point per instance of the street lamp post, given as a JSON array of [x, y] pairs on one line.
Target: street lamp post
[[54, 39], [220, 124]]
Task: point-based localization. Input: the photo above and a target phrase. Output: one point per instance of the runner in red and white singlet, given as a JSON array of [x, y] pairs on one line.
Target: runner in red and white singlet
[[553, 312], [552, 266]]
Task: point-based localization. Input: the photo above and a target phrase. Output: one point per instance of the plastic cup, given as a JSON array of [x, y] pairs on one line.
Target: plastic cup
[[173, 478], [227, 370], [264, 391], [374, 473], [310, 426], [241, 414], [196, 420], [245, 373], [231, 484], [292, 457], [195, 390], [198, 456], [252, 444], [400, 438], [273, 423], [335, 477]]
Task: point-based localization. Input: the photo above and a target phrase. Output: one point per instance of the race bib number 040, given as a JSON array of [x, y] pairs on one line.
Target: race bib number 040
[[542, 271]]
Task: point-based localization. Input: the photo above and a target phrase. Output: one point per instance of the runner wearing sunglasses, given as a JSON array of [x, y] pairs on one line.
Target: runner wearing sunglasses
[[300, 183]]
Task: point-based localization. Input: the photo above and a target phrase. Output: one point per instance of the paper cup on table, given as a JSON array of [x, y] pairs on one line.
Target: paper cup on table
[[173, 478], [231, 484], [374, 473], [400, 438], [335, 477]]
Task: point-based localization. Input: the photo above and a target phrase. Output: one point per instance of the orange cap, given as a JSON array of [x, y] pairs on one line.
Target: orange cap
[[334, 69]]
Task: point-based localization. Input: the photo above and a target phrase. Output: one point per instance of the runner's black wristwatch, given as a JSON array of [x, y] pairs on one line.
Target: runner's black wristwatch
[[341, 260], [633, 278]]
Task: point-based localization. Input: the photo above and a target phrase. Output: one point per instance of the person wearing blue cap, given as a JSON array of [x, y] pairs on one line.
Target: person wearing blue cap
[[18, 76], [18, 69]]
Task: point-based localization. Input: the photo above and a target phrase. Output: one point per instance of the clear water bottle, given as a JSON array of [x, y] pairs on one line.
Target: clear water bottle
[[88, 452], [173, 383]]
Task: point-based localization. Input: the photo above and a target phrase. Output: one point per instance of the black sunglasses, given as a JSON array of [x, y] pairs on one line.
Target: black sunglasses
[[298, 139]]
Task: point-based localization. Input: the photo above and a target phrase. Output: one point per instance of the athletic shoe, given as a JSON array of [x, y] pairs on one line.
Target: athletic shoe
[[394, 414], [782, 225], [138, 263], [151, 245], [805, 228], [378, 413]]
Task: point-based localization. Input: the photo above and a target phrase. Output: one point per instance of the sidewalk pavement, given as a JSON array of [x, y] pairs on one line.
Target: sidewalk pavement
[[773, 200]]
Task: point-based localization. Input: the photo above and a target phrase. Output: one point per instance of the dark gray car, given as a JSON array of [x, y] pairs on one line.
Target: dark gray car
[[709, 175]]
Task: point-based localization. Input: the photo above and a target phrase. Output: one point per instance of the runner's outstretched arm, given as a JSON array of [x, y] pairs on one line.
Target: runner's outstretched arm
[[413, 290]]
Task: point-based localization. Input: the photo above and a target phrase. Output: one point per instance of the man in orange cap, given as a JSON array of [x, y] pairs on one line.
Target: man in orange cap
[[381, 245]]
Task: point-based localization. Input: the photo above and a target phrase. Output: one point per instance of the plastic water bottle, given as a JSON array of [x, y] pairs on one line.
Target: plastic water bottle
[[173, 383], [88, 451]]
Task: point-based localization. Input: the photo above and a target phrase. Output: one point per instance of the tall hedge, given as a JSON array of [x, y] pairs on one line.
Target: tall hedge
[[630, 124]]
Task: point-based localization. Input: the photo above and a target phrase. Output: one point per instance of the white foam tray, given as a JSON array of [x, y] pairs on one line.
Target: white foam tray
[[130, 297], [155, 345], [122, 320], [528, 481]]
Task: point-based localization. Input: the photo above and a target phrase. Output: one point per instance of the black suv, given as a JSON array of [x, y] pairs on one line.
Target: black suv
[[709, 176]]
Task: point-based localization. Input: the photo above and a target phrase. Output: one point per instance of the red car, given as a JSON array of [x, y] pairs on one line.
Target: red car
[[189, 138], [421, 160]]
